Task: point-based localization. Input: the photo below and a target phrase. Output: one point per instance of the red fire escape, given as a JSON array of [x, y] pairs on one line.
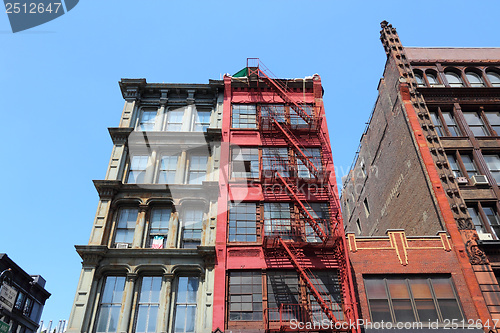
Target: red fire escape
[[302, 124]]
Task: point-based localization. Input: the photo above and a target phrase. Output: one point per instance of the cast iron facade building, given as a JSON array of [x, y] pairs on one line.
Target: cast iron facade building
[[148, 266], [429, 164]]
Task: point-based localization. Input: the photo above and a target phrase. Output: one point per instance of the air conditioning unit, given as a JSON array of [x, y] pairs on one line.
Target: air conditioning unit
[[484, 236], [479, 180], [122, 245], [462, 180]]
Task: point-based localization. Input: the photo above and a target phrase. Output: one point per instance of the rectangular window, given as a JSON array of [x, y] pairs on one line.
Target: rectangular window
[[110, 305], [367, 208], [243, 222], [20, 300], [275, 159], [296, 120], [148, 304], [244, 116], [168, 169], [174, 120], [137, 171], [452, 160], [185, 305], [202, 120], [148, 119], [245, 295], [485, 218], [314, 155], [328, 286], [493, 162], [438, 125], [192, 221], [197, 169], [283, 295], [451, 124], [476, 220], [277, 219], [412, 299], [125, 226], [494, 120], [470, 166], [28, 306], [245, 162], [268, 112], [475, 123], [321, 215], [158, 231]]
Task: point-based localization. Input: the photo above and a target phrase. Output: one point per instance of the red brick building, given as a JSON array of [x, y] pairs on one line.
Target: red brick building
[[428, 164], [280, 246]]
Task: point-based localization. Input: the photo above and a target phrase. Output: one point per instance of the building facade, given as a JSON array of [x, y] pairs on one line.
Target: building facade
[[30, 297], [428, 164], [219, 212], [148, 266], [281, 254]]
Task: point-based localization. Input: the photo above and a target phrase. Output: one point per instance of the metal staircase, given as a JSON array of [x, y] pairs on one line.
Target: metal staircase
[[331, 240]]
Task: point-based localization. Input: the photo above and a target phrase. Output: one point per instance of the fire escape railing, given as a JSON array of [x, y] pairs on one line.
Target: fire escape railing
[[283, 235]]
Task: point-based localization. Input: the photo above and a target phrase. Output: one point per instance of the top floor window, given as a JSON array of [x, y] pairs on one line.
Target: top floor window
[[432, 79], [202, 120], [244, 116], [174, 120], [474, 79], [148, 119], [454, 80], [420, 80], [494, 78]]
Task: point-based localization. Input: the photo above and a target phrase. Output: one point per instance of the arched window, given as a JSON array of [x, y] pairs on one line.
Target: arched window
[[474, 79], [432, 78], [454, 79], [420, 80], [494, 78]]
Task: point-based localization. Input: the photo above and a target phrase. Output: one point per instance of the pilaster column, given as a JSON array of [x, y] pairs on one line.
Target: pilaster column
[[139, 227], [128, 295], [150, 169], [165, 300], [181, 168]]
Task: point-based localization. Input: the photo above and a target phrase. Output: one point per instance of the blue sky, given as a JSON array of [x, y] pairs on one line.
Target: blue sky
[[59, 92]]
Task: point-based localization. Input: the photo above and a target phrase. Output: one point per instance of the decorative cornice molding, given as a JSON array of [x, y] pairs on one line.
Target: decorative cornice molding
[[120, 135]]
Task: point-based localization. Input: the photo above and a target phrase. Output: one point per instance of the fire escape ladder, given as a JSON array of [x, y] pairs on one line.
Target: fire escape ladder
[[308, 217], [299, 152], [310, 285], [283, 92]]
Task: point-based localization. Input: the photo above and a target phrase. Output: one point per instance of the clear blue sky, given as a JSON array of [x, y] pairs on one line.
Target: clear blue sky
[[59, 92]]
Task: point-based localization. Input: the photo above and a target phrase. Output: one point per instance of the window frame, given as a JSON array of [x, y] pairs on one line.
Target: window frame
[[196, 123], [141, 172], [238, 223], [443, 125], [459, 156], [160, 231], [495, 73], [150, 304], [457, 75], [117, 227], [189, 168], [246, 106], [118, 304], [477, 75], [235, 290], [407, 278], [176, 124], [484, 221], [183, 223], [483, 124], [140, 120], [168, 172], [194, 304], [236, 152]]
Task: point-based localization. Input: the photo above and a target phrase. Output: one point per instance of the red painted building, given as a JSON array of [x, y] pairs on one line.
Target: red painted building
[[280, 245]]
